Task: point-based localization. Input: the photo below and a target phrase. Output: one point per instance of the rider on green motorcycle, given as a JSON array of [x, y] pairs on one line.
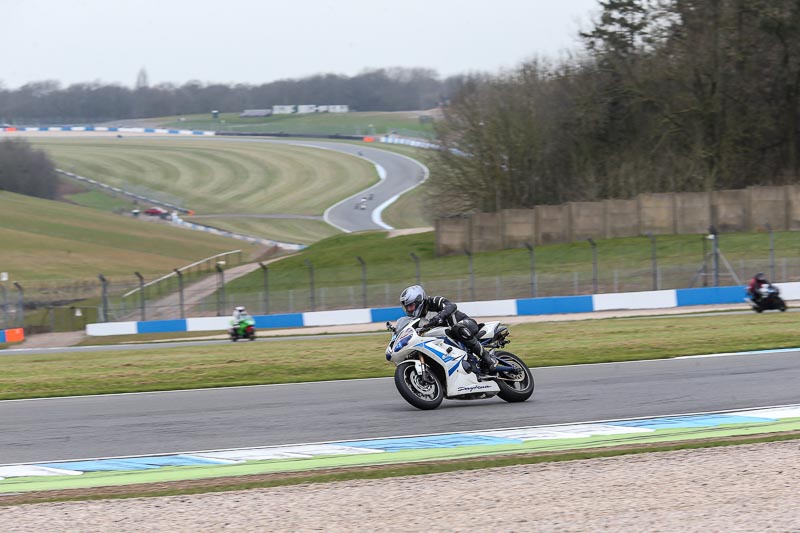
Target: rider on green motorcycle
[[239, 320]]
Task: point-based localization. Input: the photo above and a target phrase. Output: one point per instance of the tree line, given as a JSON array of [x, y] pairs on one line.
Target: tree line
[[664, 96], [391, 89], [25, 170]]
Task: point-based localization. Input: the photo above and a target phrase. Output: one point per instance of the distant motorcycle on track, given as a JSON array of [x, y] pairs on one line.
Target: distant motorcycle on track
[[244, 329]]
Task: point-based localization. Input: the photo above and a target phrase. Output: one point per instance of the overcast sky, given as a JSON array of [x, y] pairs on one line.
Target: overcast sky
[[258, 41]]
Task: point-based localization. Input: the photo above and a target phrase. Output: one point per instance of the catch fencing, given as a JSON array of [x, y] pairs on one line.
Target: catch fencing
[[208, 288]]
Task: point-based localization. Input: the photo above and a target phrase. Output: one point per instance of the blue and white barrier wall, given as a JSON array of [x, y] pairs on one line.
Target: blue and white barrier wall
[[164, 131], [527, 306]]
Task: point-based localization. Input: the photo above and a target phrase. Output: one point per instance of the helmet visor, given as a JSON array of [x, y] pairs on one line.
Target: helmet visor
[[410, 308]]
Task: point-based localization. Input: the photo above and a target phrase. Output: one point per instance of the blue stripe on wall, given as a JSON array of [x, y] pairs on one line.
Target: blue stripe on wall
[[113, 129], [710, 295], [555, 305], [161, 326], [2, 335], [386, 313], [292, 320]]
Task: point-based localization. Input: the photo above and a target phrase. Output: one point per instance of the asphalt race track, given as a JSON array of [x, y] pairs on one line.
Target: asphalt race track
[[149, 423]]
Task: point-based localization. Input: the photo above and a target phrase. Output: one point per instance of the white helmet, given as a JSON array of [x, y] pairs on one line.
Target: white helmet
[[239, 308], [412, 299]]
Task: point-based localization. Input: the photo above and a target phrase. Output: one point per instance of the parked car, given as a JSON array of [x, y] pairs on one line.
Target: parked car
[[155, 212]]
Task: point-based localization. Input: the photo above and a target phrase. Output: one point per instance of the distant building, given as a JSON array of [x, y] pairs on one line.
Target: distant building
[[306, 108], [283, 109], [338, 108], [248, 113]]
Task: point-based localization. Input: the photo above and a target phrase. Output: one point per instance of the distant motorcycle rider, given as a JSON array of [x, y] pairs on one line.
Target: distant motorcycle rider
[[417, 304], [239, 314], [755, 285]]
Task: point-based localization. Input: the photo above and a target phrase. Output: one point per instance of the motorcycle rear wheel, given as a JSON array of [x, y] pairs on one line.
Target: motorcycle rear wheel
[[422, 394], [514, 391]]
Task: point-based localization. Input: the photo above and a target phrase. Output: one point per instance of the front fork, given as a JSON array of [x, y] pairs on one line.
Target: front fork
[[421, 368]]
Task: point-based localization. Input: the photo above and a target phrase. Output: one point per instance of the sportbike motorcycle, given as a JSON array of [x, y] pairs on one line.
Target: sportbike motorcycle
[[432, 365], [245, 329], [770, 299]]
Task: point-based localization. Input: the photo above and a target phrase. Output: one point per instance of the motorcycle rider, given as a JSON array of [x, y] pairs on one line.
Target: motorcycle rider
[[755, 285], [239, 314], [417, 304]]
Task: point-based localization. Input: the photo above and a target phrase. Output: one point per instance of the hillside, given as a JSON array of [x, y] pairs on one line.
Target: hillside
[[46, 240]]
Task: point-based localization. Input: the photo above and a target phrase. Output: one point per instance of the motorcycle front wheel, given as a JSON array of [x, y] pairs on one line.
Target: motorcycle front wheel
[[521, 388], [423, 392]]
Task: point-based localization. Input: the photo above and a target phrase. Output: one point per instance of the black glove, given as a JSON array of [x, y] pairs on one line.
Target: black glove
[[435, 322]]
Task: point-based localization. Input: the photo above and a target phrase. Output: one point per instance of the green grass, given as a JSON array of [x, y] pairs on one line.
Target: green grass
[[65, 241], [102, 201], [222, 365], [213, 176], [355, 123], [295, 230]]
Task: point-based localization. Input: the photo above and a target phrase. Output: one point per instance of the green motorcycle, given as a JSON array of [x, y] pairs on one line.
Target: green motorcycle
[[244, 329]]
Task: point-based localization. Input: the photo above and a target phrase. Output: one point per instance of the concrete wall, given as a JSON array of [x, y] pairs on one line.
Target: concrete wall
[[660, 213]]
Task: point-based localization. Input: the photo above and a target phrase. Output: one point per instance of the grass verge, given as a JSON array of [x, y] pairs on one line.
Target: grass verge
[[277, 361], [373, 472]]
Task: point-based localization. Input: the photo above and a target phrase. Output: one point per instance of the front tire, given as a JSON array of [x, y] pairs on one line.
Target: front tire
[[425, 394], [514, 391]]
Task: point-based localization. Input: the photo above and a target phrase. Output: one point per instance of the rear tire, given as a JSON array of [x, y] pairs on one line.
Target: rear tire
[[514, 391], [425, 395]]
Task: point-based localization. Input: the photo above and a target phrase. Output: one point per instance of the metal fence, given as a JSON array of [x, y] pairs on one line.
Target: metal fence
[[207, 288]]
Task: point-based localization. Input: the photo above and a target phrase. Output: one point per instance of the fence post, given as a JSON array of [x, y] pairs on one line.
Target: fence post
[[416, 267], [714, 236], [180, 292], [20, 305], [4, 295], [265, 271], [653, 259], [311, 281], [104, 298], [141, 296], [363, 281], [532, 254], [471, 274], [594, 264], [220, 290], [771, 251]]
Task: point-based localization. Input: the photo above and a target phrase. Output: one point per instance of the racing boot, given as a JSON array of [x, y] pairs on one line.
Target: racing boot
[[488, 360]]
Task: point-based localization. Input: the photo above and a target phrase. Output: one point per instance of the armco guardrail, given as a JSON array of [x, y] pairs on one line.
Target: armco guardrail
[[528, 306]]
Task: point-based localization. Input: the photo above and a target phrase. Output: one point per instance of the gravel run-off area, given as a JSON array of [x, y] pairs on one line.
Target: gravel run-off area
[[753, 487]]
